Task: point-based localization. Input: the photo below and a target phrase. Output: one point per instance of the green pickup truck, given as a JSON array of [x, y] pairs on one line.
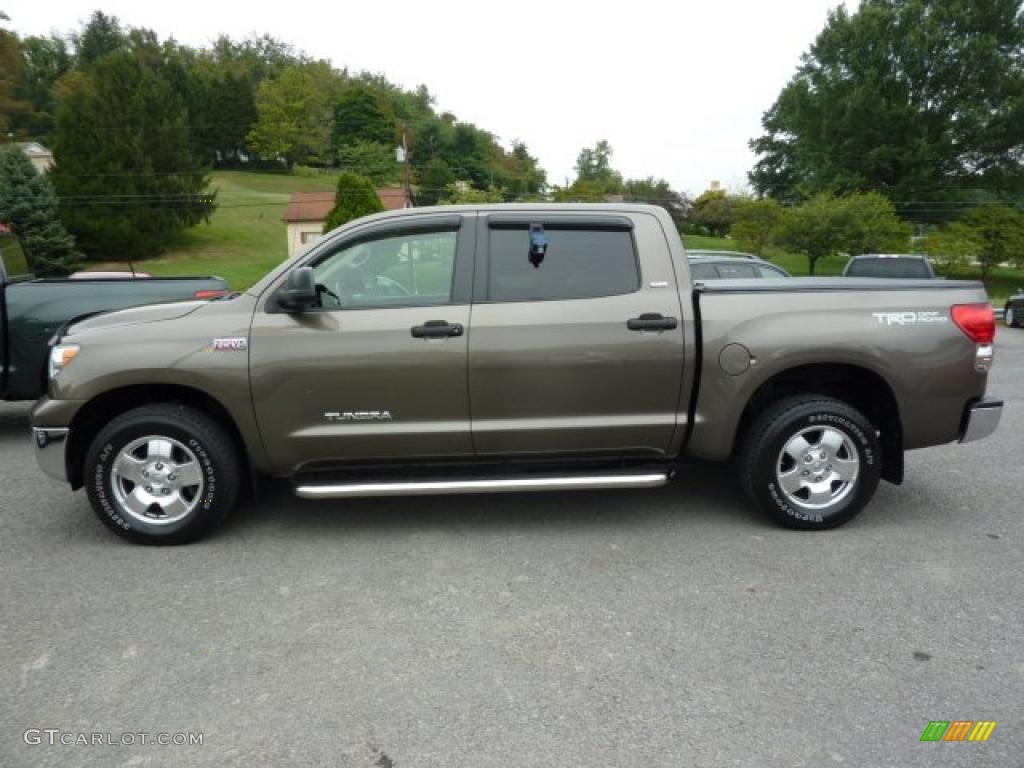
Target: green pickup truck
[[33, 309]]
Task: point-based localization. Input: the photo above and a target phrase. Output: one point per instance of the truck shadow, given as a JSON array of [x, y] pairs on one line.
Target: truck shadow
[[700, 492], [14, 421]]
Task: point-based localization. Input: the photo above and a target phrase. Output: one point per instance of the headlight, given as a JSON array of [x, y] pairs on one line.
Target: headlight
[[61, 357]]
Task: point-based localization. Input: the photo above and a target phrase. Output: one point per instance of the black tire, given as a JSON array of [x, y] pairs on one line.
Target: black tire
[[762, 458], [216, 462]]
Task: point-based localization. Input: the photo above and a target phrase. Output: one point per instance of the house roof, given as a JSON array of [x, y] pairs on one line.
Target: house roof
[[314, 206], [394, 198], [309, 206]]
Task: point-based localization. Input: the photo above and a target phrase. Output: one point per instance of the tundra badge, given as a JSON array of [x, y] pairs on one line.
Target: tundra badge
[[335, 416]]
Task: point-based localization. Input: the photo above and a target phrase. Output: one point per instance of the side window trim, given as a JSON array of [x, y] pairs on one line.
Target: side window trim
[[463, 224], [551, 220]]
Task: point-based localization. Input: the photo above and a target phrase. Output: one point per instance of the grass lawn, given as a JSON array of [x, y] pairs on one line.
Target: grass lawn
[[245, 237]]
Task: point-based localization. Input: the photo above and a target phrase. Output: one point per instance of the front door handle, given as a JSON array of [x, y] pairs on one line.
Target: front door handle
[[436, 329], [651, 321]]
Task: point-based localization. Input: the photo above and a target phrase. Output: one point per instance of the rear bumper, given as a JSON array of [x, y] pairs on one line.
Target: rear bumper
[[981, 419], [50, 448]]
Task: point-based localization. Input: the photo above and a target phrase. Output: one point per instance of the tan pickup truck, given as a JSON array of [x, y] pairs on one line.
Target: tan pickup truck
[[511, 348]]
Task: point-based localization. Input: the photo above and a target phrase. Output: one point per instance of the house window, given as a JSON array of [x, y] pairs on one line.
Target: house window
[[309, 237]]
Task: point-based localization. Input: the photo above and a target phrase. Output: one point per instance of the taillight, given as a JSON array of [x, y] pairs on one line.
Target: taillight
[[210, 294], [976, 320]]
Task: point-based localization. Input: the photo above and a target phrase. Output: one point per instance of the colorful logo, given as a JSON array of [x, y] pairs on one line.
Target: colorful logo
[[958, 730]]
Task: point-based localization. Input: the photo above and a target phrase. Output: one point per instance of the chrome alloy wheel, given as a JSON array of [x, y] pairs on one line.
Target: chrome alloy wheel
[[817, 468], [157, 480]]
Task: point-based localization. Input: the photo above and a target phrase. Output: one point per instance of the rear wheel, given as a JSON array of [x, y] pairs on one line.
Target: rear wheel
[[162, 474], [811, 462]]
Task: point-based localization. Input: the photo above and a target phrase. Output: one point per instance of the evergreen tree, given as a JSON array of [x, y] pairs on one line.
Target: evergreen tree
[[29, 207], [356, 196], [125, 168]]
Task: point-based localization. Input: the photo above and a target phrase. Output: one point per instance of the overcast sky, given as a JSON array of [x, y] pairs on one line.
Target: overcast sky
[[677, 88]]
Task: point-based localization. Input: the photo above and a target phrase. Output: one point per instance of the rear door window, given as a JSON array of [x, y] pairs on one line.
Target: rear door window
[[579, 263]]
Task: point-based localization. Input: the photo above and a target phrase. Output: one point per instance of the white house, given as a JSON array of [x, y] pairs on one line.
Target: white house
[[307, 211], [40, 156]]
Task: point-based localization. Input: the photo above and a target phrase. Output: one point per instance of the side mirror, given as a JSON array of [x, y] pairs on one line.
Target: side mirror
[[299, 291]]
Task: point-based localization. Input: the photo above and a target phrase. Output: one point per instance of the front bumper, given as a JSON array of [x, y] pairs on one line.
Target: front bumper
[[50, 448], [981, 419]]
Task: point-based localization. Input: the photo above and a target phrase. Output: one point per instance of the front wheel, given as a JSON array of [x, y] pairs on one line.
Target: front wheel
[[162, 474], [811, 462]]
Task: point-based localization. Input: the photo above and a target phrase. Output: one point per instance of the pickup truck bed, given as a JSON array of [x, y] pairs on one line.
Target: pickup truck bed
[[471, 349]]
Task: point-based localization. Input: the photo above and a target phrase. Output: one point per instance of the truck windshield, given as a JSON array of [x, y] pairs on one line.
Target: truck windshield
[[881, 267]]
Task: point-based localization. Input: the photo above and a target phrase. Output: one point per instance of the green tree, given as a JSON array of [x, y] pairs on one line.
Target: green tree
[[294, 118], [433, 180], [756, 223], [362, 114], [125, 170], [594, 165], [462, 193], [100, 36], [356, 196], [658, 192], [714, 210], [828, 226], [374, 160], [920, 99], [46, 60], [954, 246], [999, 229], [11, 74], [29, 206]]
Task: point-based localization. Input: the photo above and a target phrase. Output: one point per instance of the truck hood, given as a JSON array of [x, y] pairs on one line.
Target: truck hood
[[151, 313]]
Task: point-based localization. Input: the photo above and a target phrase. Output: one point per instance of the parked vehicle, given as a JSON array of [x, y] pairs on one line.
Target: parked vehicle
[[33, 309], [899, 265], [730, 265], [511, 348], [1013, 312]]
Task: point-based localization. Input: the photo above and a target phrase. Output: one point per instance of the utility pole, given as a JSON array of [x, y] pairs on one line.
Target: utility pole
[[403, 153]]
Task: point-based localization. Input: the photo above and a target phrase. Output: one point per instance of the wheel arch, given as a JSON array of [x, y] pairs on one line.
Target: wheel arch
[[861, 387], [91, 417]]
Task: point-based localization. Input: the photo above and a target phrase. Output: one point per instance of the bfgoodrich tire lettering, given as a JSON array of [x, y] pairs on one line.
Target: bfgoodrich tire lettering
[[816, 421], [195, 439]]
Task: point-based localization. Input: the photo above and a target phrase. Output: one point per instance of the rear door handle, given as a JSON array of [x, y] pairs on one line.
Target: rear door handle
[[436, 329], [651, 321]]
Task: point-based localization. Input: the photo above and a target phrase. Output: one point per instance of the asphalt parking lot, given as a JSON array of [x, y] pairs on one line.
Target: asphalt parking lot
[[672, 627]]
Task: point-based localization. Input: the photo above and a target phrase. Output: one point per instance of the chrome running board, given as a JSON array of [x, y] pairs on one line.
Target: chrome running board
[[509, 485]]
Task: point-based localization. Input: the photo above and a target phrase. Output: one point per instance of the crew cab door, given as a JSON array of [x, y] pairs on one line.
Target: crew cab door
[[378, 371], [582, 353]]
